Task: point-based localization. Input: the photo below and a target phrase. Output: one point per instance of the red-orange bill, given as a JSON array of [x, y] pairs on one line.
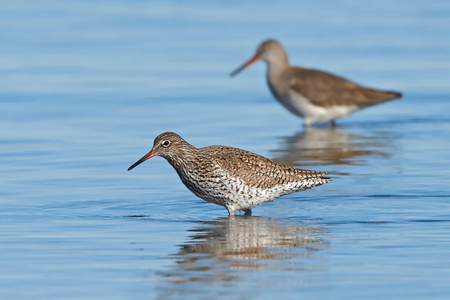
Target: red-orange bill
[[144, 158], [252, 60]]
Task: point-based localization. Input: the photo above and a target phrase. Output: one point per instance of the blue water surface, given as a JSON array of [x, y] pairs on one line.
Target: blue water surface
[[87, 85]]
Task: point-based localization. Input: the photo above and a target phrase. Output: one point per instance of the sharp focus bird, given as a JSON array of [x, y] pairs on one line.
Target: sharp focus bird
[[231, 177]]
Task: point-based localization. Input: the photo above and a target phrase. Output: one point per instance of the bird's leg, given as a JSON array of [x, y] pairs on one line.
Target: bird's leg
[[247, 212], [231, 211]]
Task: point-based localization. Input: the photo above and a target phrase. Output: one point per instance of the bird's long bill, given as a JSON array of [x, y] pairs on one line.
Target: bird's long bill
[[144, 158], [252, 60]]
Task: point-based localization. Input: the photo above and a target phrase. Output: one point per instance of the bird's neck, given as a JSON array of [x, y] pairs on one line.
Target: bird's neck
[[183, 158], [276, 65]]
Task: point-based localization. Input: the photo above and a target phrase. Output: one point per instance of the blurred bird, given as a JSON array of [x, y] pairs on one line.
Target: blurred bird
[[315, 96]]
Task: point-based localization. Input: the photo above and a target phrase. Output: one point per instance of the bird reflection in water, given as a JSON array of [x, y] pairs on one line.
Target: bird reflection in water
[[332, 146], [226, 249]]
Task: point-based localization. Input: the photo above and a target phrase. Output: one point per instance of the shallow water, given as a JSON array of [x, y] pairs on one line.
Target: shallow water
[[86, 86]]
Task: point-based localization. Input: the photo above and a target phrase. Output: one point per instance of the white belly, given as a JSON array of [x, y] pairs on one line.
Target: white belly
[[303, 108]]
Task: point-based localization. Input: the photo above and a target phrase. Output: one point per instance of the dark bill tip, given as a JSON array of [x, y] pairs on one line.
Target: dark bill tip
[[144, 158], [245, 65]]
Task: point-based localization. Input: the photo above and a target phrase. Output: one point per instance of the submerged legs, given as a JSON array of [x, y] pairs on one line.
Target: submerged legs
[[231, 211]]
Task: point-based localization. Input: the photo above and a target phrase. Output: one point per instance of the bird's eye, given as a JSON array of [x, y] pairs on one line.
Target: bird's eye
[[165, 143]]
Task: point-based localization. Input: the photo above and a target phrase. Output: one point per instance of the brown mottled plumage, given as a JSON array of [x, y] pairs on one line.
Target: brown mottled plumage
[[314, 95], [231, 177]]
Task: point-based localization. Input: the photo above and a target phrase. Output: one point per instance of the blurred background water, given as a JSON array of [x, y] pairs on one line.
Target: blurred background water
[[87, 85]]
